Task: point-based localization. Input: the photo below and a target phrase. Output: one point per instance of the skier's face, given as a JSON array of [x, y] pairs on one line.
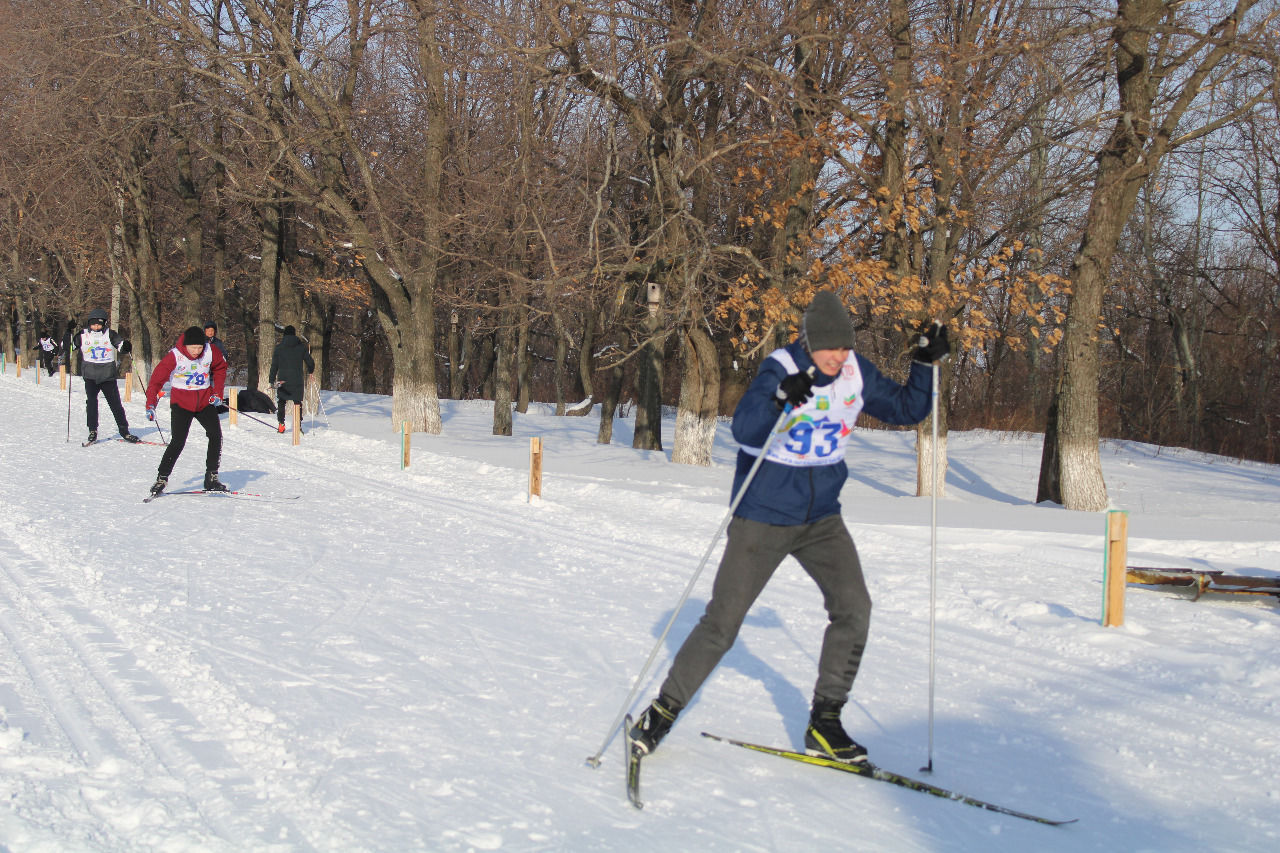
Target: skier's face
[[829, 361], [194, 350]]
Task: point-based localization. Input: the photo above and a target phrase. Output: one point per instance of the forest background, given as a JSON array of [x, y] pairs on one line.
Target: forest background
[[628, 202]]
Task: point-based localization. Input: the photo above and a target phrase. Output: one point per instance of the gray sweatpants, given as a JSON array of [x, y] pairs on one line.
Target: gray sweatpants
[[752, 553]]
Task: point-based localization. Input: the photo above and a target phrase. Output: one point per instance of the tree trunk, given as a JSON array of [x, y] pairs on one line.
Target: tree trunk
[[521, 354], [587, 359], [192, 233], [1073, 444], [368, 350], [457, 356], [502, 382], [648, 426], [559, 371], [695, 432], [503, 368], [609, 404], [649, 368], [413, 356], [269, 271]]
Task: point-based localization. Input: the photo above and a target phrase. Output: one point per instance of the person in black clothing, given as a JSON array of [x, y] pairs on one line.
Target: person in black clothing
[[287, 362], [211, 335], [48, 352], [99, 347]]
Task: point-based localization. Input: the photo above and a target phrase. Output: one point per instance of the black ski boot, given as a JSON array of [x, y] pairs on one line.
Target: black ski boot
[[212, 483], [827, 738], [93, 436], [158, 486], [654, 724], [130, 437]]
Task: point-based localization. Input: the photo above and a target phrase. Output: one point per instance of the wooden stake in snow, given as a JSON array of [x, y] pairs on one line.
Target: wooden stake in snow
[[233, 406], [404, 445], [535, 468], [62, 377], [1114, 570], [128, 387], [297, 424]]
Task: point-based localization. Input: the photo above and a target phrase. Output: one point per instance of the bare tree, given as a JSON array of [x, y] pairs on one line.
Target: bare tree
[[1167, 57]]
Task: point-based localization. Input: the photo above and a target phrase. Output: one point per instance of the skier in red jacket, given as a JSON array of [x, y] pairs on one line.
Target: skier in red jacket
[[196, 372]]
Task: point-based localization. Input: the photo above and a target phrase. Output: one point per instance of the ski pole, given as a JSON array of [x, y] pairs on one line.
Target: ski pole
[[594, 760], [157, 421], [323, 412], [933, 563], [252, 418]]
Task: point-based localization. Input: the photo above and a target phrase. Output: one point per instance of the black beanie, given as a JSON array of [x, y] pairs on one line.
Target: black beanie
[[290, 330], [193, 336], [827, 324]]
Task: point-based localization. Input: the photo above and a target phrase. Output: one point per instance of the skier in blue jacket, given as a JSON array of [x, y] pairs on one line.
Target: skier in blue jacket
[[792, 507]]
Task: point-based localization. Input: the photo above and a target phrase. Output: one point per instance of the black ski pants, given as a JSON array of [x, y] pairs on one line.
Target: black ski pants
[[753, 552], [180, 422], [283, 397], [111, 393]]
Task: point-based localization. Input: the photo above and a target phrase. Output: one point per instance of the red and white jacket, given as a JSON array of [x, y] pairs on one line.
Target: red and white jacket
[[192, 381]]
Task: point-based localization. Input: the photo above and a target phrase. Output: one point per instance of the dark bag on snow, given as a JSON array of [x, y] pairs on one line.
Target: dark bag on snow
[[250, 400]]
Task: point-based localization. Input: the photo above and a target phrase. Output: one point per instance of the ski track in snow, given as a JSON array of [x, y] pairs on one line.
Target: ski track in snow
[[422, 659]]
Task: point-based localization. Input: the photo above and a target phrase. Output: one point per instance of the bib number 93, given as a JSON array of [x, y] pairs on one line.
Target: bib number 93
[[820, 439]]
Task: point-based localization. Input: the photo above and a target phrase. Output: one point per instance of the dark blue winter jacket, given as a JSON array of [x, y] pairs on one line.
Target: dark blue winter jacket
[[787, 495]]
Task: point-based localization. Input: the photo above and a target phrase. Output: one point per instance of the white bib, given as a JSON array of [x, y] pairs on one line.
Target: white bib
[[96, 347], [191, 374], [818, 432], [47, 344]]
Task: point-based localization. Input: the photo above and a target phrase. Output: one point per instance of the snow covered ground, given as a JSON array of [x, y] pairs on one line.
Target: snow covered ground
[[423, 659]]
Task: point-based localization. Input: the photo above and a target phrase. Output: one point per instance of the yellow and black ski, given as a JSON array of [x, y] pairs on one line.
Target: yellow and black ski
[[871, 771], [635, 752]]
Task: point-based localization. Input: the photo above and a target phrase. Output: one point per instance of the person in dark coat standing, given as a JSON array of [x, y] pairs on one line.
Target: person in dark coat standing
[[211, 334], [99, 348], [792, 508], [287, 363], [196, 373]]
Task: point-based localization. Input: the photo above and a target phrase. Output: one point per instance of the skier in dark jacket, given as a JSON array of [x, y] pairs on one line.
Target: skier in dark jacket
[[197, 374], [287, 363], [791, 508], [99, 347], [48, 352]]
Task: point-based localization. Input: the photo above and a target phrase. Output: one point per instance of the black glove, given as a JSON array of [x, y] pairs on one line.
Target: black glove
[[794, 389], [932, 344], [71, 326], [125, 347]]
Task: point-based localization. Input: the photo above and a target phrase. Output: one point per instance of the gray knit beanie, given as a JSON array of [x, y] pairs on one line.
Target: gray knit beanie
[[827, 324]]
